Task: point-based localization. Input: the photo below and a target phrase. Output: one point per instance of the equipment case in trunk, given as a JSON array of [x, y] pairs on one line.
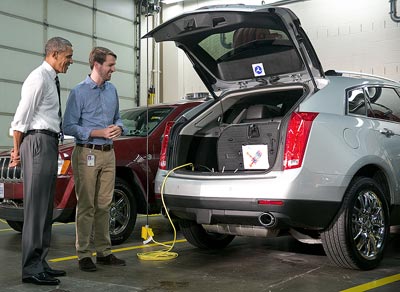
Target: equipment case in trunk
[[229, 145]]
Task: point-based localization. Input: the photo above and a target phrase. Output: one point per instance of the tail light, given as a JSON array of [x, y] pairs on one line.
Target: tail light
[[296, 138], [164, 145], [64, 162]]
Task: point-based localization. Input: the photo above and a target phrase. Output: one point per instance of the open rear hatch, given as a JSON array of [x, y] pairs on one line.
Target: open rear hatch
[[237, 46], [258, 64]]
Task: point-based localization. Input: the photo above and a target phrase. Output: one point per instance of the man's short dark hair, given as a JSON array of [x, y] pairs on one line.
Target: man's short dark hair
[[99, 55], [56, 44]]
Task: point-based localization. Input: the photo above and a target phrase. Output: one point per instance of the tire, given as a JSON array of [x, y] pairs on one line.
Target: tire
[[357, 237], [16, 225], [199, 237], [123, 212]]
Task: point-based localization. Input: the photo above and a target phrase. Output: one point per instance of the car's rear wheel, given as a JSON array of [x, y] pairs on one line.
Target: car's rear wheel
[[199, 237], [356, 239], [16, 225], [123, 212]]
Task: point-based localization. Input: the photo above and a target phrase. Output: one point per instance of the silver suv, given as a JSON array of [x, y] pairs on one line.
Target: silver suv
[[283, 146]]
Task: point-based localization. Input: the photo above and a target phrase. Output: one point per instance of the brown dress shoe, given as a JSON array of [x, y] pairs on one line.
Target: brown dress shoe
[[87, 265], [110, 260]]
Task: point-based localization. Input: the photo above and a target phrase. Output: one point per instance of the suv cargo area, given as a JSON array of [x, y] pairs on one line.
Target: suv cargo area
[[215, 140]]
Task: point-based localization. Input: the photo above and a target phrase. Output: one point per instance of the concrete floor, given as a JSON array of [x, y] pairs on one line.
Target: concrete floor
[[247, 264]]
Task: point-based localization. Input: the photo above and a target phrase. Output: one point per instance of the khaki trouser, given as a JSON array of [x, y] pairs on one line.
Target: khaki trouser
[[94, 187]]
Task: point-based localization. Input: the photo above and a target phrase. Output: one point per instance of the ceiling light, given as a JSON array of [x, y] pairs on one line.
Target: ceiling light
[[170, 1]]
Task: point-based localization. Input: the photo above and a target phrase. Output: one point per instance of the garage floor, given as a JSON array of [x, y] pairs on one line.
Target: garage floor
[[247, 264]]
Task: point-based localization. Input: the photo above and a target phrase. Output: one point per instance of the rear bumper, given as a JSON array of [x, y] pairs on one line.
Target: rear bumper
[[11, 213], [292, 213], [309, 200], [14, 213]]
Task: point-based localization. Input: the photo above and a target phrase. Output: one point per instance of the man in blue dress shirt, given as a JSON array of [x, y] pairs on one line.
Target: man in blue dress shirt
[[92, 117]]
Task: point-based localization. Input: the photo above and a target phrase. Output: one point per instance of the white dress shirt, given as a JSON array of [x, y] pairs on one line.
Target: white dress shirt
[[38, 107]]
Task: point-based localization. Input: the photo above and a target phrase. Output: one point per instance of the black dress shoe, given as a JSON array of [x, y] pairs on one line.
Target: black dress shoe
[[55, 273], [87, 265], [41, 279], [110, 260]]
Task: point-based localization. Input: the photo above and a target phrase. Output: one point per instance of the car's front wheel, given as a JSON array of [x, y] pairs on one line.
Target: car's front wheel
[[356, 239], [199, 237], [123, 212]]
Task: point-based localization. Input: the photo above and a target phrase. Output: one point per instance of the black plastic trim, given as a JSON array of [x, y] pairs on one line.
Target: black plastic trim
[[11, 213], [17, 214], [293, 213]]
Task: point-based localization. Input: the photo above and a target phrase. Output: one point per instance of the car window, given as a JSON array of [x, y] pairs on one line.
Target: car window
[[244, 46], [385, 103], [224, 44], [356, 102], [136, 123]]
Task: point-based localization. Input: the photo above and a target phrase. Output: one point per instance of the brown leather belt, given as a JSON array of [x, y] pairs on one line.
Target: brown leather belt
[[104, 147]]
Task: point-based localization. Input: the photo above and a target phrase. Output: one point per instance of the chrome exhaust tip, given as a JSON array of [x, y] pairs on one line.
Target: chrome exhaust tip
[[267, 220]]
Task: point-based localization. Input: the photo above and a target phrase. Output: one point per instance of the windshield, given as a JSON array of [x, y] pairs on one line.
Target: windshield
[[136, 122]]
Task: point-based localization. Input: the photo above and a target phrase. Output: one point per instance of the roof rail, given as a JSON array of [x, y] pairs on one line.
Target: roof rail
[[367, 75]]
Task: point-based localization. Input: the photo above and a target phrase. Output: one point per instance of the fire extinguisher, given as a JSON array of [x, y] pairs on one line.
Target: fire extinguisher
[[151, 94]]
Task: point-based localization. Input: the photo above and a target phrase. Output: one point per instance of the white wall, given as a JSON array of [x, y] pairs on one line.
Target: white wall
[[26, 25], [351, 35]]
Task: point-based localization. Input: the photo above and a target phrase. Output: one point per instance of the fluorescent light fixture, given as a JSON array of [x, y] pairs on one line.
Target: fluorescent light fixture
[[170, 1], [280, 2], [269, 2]]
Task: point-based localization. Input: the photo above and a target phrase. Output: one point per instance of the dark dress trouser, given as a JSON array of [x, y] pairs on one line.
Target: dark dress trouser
[[39, 155]]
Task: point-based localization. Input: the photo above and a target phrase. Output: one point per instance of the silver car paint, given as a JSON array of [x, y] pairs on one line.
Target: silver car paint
[[323, 176]]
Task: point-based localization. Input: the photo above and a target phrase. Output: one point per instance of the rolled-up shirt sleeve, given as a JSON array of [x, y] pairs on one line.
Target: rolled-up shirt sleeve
[[72, 115], [31, 95]]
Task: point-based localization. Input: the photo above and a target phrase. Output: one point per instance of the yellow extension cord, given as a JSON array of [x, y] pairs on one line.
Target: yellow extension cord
[[165, 254]]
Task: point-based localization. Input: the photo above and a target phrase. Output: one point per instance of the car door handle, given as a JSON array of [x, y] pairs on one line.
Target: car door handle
[[386, 132]]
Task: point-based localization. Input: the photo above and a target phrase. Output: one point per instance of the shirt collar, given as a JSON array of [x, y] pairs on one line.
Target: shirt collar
[[93, 85], [49, 70]]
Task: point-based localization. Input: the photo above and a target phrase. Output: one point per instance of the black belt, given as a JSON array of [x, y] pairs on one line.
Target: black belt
[[104, 147], [46, 132]]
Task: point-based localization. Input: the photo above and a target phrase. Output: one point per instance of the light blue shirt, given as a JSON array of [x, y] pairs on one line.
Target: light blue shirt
[[91, 107]]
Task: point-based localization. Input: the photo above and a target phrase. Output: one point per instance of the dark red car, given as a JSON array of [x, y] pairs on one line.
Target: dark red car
[[137, 155]]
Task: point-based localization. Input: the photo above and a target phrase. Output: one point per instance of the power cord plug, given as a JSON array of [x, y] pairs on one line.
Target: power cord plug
[[147, 234]]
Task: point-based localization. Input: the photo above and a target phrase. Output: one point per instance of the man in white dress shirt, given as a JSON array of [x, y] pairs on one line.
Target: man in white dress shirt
[[36, 129]]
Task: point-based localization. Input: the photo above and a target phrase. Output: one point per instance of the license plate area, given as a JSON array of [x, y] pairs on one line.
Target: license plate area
[[1, 190]]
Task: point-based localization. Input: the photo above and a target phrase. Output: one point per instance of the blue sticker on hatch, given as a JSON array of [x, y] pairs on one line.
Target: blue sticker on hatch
[[258, 70]]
